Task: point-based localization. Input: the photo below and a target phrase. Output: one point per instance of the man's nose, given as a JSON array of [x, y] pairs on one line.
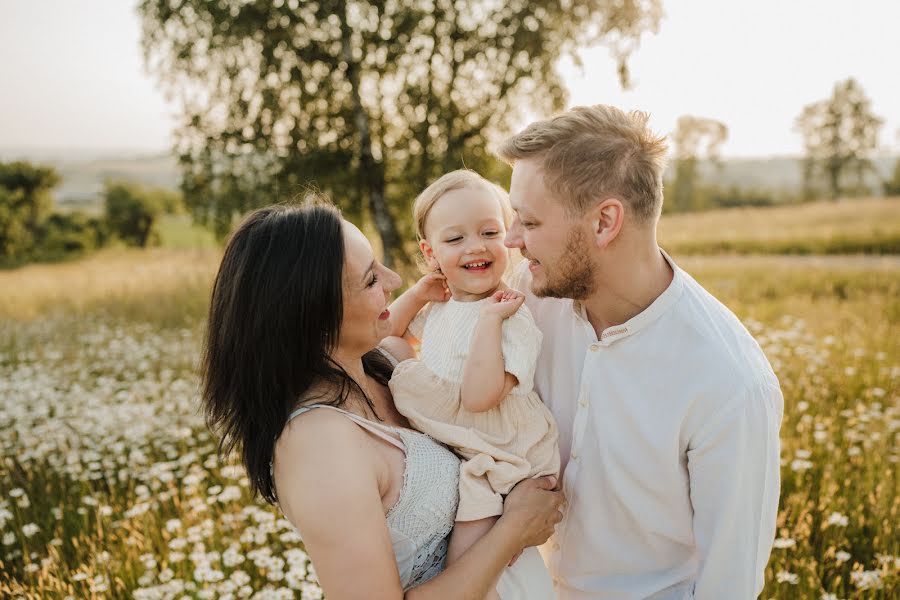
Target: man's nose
[[513, 237]]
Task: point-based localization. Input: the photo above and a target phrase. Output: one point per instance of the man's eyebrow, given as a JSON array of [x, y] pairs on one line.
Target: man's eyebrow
[[369, 270]]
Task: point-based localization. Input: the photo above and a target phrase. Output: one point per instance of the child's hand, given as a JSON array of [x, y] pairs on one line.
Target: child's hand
[[503, 304], [432, 288]]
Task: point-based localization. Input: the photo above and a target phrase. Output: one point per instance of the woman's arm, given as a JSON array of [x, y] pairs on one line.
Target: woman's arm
[[430, 288], [485, 382], [332, 496], [335, 502]]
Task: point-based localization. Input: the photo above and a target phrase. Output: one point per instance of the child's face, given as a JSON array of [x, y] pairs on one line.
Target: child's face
[[464, 238]]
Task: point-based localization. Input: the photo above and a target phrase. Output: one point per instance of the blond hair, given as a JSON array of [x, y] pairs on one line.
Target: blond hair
[[594, 152], [456, 180]]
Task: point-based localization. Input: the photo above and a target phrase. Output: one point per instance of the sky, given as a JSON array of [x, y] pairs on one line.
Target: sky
[[73, 76]]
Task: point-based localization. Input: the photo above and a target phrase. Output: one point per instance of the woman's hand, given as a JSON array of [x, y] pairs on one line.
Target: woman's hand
[[533, 509], [432, 288], [503, 303]]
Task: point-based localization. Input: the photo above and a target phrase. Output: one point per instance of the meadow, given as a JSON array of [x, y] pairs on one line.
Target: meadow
[[111, 487], [857, 226]]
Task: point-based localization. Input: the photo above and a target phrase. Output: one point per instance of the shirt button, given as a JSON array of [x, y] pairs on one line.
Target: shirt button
[[574, 455], [594, 347], [583, 401]]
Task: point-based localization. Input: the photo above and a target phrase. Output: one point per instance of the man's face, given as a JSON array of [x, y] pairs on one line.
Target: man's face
[[555, 243]]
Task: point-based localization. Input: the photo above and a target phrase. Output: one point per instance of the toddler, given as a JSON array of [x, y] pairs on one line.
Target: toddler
[[472, 387]]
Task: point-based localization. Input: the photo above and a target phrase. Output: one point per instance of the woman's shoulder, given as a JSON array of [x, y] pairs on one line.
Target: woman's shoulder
[[318, 429]]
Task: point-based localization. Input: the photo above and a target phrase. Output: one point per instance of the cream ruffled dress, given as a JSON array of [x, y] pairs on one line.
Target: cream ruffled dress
[[514, 441]]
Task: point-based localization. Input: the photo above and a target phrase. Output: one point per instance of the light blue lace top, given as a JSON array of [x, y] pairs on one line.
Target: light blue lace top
[[422, 518]]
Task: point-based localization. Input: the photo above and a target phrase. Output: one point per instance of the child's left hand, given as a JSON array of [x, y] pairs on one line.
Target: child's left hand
[[503, 304]]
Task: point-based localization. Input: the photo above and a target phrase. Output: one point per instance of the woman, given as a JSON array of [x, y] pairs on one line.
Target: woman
[[293, 377]]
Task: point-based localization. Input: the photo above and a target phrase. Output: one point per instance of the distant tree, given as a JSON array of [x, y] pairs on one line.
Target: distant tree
[[840, 135], [892, 185], [25, 205], [133, 210], [369, 99], [689, 138]]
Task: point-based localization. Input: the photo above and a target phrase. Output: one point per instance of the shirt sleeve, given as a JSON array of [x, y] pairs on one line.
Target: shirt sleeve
[[521, 344], [733, 465], [417, 325]]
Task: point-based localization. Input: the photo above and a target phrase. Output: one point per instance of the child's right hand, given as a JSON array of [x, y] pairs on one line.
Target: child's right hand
[[503, 304], [432, 288]]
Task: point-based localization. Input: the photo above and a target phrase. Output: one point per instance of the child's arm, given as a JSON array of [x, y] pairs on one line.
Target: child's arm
[[485, 381], [430, 288]]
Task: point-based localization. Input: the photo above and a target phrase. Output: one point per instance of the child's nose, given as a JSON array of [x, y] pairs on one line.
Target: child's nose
[[477, 246]]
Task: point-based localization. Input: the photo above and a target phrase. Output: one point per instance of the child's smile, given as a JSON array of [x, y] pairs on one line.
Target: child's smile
[[464, 239]]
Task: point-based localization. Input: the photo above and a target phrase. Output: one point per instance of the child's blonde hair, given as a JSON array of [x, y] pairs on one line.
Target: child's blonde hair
[[456, 180]]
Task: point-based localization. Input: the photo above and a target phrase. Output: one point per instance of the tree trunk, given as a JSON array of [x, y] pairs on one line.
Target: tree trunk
[[834, 176], [371, 172]]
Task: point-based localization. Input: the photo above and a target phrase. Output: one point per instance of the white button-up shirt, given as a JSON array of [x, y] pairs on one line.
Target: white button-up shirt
[[669, 439]]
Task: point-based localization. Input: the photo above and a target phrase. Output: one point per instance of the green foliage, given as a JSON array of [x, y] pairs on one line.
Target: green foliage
[[367, 100], [132, 211], [70, 234], [25, 204], [29, 229], [734, 197], [840, 134]]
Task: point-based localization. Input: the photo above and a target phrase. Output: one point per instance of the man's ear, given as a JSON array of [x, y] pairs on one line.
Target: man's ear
[[428, 254], [606, 219]]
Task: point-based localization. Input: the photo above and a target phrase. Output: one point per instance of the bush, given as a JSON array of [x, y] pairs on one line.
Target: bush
[[25, 205], [67, 235], [132, 211]]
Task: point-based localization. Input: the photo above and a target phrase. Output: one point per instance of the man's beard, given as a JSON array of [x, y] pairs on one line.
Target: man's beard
[[573, 274]]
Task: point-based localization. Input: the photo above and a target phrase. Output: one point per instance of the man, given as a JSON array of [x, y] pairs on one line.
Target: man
[[668, 410]]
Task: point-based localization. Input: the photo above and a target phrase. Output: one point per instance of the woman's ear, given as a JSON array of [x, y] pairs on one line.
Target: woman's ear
[[428, 254], [606, 219]]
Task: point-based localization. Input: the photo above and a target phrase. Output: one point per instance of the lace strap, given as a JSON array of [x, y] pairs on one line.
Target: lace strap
[[377, 429]]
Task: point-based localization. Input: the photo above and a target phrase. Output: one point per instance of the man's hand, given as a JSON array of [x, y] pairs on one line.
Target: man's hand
[[503, 304]]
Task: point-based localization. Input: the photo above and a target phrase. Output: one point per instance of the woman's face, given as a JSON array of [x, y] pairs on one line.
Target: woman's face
[[367, 286]]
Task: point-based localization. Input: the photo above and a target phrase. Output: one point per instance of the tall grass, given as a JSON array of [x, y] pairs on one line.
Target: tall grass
[[111, 487], [868, 226], [162, 285]]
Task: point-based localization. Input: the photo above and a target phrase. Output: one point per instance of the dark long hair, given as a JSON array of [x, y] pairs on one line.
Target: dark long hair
[[274, 319]]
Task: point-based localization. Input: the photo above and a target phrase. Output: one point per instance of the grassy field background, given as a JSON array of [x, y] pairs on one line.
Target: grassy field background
[[111, 487], [869, 226]]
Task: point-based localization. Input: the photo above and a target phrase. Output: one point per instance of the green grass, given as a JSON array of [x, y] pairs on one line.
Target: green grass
[[119, 493], [180, 232]]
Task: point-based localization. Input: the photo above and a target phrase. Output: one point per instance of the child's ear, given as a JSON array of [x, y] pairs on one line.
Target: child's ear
[[428, 253]]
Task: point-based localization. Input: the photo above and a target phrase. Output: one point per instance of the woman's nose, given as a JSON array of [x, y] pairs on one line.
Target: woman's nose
[[392, 281]]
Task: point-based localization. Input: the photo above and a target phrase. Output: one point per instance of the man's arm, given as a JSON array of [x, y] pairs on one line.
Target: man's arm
[[733, 464]]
